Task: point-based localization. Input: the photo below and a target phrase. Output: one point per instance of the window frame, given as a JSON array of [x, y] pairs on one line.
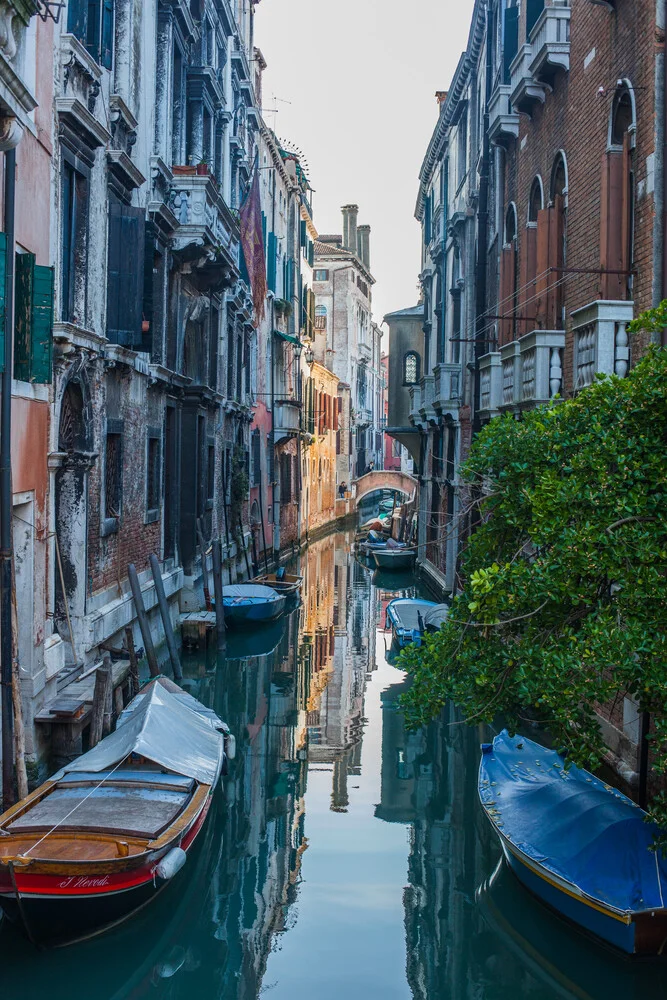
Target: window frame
[[410, 355], [153, 437], [110, 523]]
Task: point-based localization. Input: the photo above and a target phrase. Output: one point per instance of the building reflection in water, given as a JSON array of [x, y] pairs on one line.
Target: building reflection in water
[[294, 697]]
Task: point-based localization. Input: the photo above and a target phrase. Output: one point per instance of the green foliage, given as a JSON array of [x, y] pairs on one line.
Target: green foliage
[[564, 604], [239, 487]]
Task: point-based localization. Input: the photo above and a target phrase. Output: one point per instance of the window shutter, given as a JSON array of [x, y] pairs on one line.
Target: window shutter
[[311, 253], [41, 353], [125, 274], [147, 312], [77, 11], [510, 41], [612, 229], [3, 280], [506, 304], [303, 232], [271, 263], [25, 270], [543, 275], [533, 10], [106, 41], [527, 279]]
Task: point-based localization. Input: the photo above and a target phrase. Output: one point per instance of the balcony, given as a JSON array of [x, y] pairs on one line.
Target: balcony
[[286, 418], [363, 416], [426, 411], [503, 121], [447, 389], [550, 43], [205, 226], [601, 340], [415, 403], [531, 371], [525, 91], [490, 384]]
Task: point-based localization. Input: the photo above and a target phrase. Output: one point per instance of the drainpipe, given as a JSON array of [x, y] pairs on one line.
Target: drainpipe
[[482, 232], [6, 496]]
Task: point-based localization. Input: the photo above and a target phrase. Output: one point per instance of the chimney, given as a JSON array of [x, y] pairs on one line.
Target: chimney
[[441, 97], [350, 213], [364, 245]]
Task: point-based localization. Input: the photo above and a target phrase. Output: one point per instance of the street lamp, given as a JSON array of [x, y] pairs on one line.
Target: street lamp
[[310, 356], [298, 347]]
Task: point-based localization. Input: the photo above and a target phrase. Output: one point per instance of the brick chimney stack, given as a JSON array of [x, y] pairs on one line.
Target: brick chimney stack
[[441, 97], [364, 245], [350, 213]]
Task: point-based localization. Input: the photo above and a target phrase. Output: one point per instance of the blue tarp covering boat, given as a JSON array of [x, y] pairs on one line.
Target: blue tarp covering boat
[[248, 604], [407, 616], [580, 845]]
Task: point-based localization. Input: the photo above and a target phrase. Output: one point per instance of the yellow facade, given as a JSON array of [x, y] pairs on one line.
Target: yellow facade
[[318, 496]]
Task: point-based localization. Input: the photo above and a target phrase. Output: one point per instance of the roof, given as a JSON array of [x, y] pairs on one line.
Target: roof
[[417, 310], [331, 250]]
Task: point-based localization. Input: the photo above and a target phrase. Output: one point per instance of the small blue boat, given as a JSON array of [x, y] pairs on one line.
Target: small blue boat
[[250, 604], [579, 845], [406, 617]]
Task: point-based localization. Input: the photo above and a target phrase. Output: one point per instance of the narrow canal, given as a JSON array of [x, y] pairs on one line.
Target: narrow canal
[[345, 857]]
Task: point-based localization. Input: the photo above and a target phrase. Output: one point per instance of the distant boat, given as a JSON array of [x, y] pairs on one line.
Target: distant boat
[[250, 604], [407, 618], [578, 844], [100, 838], [394, 558]]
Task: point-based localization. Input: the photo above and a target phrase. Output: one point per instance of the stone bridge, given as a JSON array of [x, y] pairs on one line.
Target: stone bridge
[[384, 479]]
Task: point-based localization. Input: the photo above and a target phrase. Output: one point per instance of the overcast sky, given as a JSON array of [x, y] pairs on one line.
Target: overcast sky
[[360, 77]]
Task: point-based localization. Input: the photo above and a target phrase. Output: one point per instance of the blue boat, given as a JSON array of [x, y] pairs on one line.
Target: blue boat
[[581, 846], [250, 604], [406, 617]]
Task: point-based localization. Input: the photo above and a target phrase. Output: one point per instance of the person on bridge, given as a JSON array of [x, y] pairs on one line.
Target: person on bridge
[[370, 466], [342, 489]]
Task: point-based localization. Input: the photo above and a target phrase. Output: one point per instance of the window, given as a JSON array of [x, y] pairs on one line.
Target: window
[[113, 475], [74, 228], [125, 273], [91, 21], [256, 458], [153, 484], [462, 147], [210, 474], [509, 272], [320, 317], [617, 221], [230, 360], [285, 478], [536, 201], [321, 274], [411, 368]]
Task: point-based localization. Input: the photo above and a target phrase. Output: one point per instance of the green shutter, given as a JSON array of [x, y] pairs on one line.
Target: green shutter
[[106, 41], [41, 356], [271, 263], [303, 232], [3, 292], [311, 253], [510, 40], [25, 270]]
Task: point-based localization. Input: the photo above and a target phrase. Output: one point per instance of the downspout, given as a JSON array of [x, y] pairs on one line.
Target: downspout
[[6, 652], [482, 230]]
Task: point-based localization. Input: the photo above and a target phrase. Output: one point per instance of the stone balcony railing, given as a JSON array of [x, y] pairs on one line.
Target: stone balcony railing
[[490, 384], [550, 42], [203, 217], [503, 121], [286, 418], [426, 411], [447, 388], [601, 340], [523, 373], [415, 403], [525, 90]]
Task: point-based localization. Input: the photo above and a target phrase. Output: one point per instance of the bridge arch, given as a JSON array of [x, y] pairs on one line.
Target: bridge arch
[[384, 479]]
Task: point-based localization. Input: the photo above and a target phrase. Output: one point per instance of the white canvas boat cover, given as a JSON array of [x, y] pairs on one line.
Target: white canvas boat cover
[[164, 729], [250, 590], [436, 617]]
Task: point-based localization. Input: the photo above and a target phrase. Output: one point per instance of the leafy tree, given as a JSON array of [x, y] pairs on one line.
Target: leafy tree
[[563, 606]]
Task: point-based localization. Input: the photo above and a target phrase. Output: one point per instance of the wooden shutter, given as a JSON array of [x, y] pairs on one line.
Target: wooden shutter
[[41, 343], [506, 304], [147, 308], [77, 17], [533, 10], [614, 237], [25, 271], [528, 271], [546, 239], [510, 40], [303, 232], [125, 274], [271, 263], [106, 39]]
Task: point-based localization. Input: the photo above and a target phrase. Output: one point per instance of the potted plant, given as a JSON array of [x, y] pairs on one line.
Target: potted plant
[[202, 168], [183, 170]]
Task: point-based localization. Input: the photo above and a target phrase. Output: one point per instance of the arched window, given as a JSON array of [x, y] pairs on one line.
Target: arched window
[[509, 273], [411, 368], [320, 317], [536, 200], [510, 223], [617, 218], [558, 201]]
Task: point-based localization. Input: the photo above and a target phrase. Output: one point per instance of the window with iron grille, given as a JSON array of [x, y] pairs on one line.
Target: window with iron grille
[[113, 474], [256, 458], [210, 473], [285, 478], [153, 480]]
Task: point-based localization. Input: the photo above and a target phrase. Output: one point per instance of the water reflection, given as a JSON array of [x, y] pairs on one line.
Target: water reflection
[[346, 855]]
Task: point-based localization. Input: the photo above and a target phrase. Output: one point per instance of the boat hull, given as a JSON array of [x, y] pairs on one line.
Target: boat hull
[[79, 902], [249, 615], [394, 559]]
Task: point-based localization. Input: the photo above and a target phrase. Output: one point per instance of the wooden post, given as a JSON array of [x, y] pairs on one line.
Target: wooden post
[[226, 516], [108, 702], [143, 621], [100, 695], [204, 571], [217, 588], [245, 551], [255, 562], [132, 657], [19, 730], [261, 514], [166, 617]]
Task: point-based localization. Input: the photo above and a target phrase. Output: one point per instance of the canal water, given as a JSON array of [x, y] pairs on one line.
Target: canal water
[[345, 858]]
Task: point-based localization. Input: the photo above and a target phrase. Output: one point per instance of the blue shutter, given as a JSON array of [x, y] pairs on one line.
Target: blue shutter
[[106, 41], [271, 265], [510, 40], [533, 10], [303, 232], [125, 274]]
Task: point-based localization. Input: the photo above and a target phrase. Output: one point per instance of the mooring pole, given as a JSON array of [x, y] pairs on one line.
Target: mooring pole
[[166, 617], [142, 618], [217, 590], [6, 643]]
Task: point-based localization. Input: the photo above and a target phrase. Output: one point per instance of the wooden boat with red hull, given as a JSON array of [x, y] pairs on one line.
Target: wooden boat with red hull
[[104, 835]]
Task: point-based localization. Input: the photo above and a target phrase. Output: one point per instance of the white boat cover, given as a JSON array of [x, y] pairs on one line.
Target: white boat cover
[[436, 616], [165, 729], [250, 590]]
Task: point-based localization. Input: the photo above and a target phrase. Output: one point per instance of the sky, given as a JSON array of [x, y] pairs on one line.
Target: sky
[[352, 84]]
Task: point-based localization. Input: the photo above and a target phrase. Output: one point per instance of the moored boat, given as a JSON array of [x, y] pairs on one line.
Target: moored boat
[[100, 838], [581, 846], [288, 584], [407, 618], [394, 558], [250, 604]]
